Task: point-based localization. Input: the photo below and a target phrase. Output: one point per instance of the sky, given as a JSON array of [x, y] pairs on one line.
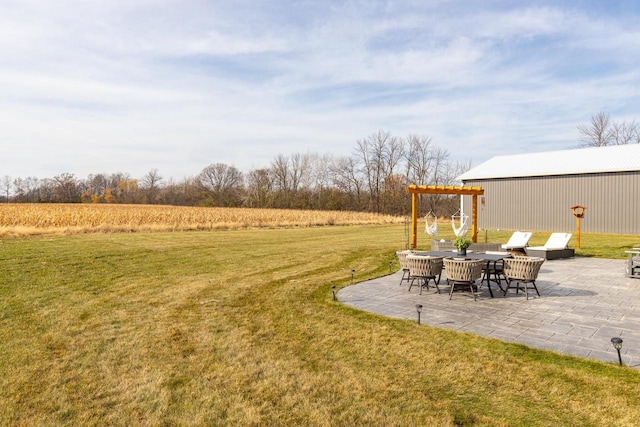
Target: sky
[[133, 85]]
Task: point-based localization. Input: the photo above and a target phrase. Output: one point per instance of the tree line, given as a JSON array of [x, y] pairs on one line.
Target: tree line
[[373, 178]]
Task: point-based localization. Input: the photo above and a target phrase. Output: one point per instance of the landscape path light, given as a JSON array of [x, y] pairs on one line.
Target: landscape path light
[[617, 344], [419, 310], [333, 291], [390, 264], [353, 271]]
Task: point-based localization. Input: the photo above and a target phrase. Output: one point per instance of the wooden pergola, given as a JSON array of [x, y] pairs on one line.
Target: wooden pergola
[[415, 190]]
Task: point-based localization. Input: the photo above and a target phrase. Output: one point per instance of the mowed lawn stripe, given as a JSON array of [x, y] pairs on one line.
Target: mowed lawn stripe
[[239, 328]]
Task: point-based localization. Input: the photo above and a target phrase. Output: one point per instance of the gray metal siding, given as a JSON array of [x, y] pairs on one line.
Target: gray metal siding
[[612, 202]]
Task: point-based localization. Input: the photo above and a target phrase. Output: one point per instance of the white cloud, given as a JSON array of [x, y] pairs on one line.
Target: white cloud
[[92, 86]]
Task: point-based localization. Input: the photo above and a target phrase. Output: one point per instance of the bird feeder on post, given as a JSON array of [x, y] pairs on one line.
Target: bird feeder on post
[[578, 212]]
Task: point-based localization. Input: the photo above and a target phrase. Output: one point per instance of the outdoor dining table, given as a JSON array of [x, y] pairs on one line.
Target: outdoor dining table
[[489, 258]]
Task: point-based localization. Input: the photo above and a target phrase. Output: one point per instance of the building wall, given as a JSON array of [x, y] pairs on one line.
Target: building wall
[[612, 202]]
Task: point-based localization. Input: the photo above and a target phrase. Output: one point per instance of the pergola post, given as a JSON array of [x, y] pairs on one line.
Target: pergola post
[[414, 220], [415, 190], [474, 219]]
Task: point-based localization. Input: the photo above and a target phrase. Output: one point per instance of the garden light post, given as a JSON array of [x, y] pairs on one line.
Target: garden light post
[[333, 291], [419, 310], [353, 271], [617, 344], [390, 264]]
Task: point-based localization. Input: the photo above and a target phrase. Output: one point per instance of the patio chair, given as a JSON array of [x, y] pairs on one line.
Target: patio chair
[[425, 268], [633, 264], [554, 248], [518, 241], [463, 272], [522, 270], [404, 266]]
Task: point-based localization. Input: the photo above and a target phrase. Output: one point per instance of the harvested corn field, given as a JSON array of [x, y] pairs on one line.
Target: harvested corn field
[[33, 219]]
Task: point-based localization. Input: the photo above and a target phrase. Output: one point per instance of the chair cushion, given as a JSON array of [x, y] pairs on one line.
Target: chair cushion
[[519, 239]]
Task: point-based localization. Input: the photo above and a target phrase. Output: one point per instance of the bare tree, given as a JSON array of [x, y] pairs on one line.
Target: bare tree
[[419, 159], [603, 131], [151, 185], [597, 133], [624, 133], [280, 172], [222, 184], [259, 189], [6, 184], [26, 189], [347, 177], [67, 188], [370, 152], [96, 187], [319, 178]]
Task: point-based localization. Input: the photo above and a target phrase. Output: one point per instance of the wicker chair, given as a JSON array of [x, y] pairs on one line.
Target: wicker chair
[[425, 268], [463, 272], [404, 266], [522, 270]]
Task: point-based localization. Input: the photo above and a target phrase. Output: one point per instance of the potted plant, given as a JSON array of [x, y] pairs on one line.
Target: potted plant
[[462, 244]]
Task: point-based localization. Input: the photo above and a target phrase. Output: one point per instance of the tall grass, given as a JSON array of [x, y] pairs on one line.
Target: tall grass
[[239, 328]]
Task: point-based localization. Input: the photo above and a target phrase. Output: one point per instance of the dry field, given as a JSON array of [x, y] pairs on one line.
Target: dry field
[[35, 219]]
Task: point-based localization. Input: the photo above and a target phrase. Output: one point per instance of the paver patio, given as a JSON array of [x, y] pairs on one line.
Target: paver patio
[[584, 303]]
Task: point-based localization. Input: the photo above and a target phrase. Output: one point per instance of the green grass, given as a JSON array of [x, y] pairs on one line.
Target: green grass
[[239, 328], [591, 244]]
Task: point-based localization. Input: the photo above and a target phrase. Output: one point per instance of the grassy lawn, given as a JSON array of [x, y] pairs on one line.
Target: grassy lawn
[[239, 328]]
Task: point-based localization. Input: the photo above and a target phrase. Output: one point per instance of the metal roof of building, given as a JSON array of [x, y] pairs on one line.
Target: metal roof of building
[[617, 158]]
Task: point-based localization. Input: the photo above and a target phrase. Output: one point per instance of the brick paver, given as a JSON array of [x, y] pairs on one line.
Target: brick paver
[[584, 302]]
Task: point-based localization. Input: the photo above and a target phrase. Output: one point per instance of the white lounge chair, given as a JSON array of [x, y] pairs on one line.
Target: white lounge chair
[[554, 248], [518, 240]]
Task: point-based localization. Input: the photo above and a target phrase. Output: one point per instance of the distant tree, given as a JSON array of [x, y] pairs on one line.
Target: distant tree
[[602, 131], [180, 193], [395, 198], [624, 133], [320, 179], [96, 188], [151, 185], [419, 159], [66, 188], [596, 134], [26, 189], [290, 175], [379, 154], [347, 178], [259, 188], [6, 184], [221, 185]]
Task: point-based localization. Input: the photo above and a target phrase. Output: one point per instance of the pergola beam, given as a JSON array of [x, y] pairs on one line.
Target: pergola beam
[[415, 190]]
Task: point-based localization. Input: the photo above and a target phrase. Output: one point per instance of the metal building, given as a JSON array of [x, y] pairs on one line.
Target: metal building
[[536, 191]]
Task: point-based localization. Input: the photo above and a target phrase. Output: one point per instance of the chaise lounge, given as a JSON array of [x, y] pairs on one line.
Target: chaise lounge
[[518, 241], [554, 248]]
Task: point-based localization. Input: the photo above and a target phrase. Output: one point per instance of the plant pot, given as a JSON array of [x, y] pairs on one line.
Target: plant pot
[[462, 252]]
